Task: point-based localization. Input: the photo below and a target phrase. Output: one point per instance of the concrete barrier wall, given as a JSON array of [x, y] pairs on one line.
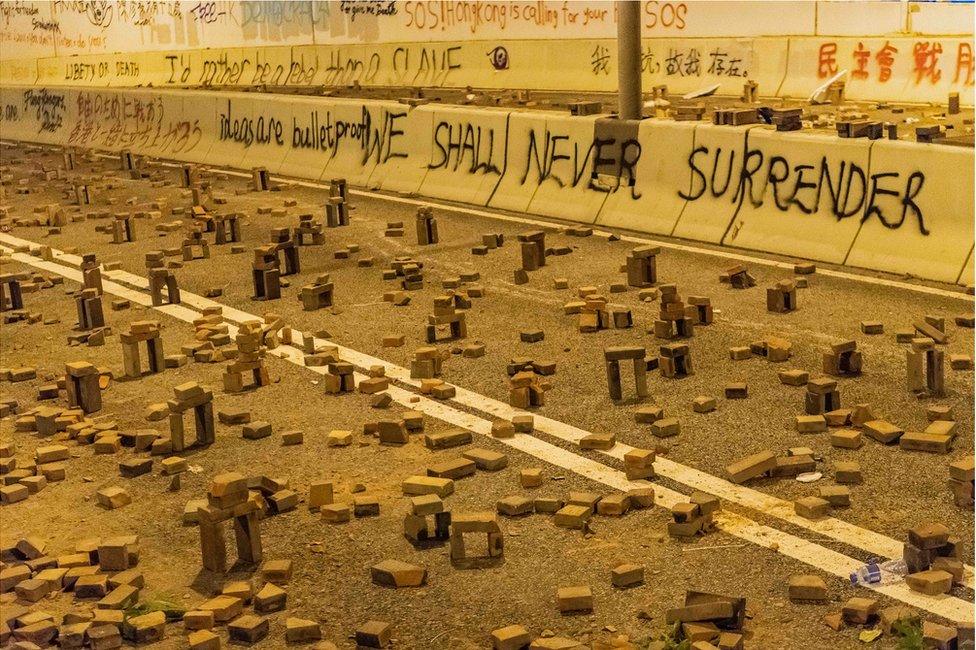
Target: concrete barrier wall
[[801, 194], [716, 164], [40, 28], [344, 136], [557, 160], [896, 68], [919, 202], [900, 207], [683, 64], [401, 156], [968, 271], [466, 153], [917, 69], [517, 187], [915, 51], [663, 180]]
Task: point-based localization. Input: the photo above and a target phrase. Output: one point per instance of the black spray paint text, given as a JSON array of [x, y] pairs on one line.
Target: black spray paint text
[[454, 142], [265, 129], [585, 160], [848, 187], [48, 108], [374, 138]]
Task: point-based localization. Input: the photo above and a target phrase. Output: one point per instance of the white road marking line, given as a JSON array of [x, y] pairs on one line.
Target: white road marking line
[[949, 607], [831, 527]]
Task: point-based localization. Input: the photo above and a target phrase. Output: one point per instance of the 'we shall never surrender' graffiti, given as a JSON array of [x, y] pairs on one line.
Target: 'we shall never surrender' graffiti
[[893, 206], [570, 157], [523, 151], [840, 189]]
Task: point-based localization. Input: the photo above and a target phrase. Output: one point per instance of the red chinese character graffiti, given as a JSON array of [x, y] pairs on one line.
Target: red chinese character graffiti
[[885, 58], [964, 64], [861, 56], [827, 63], [927, 61]]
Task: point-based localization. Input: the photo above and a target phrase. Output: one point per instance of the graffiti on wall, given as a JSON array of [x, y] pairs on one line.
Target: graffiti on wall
[[842, 190], [376, 135], [46, 106], [114, 120], [561, 156], [925, 61]]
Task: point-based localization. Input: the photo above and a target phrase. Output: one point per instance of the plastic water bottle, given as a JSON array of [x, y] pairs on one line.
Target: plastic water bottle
[[880, 573]]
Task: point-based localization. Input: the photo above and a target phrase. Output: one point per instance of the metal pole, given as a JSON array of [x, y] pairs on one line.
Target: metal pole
[[629, 59]]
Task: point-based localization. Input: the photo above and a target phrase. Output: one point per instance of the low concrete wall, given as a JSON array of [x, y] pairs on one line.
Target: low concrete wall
[[901, 207], [900, 67]]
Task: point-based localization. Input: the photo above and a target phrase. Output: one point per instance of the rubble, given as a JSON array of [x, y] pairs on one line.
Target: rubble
[[75, 437]]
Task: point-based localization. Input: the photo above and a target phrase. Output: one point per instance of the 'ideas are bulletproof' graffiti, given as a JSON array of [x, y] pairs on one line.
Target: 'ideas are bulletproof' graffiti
[[847, 188], [376, 137]]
